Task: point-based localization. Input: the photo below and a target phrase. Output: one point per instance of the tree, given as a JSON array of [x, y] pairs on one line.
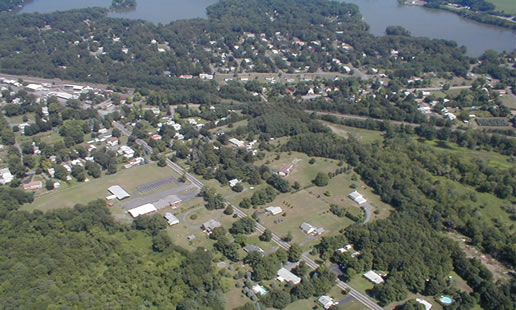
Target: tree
[[49, 185], [162, 163], [229, 210], [288, 237], [266, 236], [321, 179], [161, 241], [152, 223], [244, 225], [295, 252]]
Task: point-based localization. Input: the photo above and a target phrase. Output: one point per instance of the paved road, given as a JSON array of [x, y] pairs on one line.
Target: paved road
[[438, 88]]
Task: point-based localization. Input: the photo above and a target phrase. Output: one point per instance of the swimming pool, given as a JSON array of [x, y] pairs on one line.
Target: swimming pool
[[446, 300]]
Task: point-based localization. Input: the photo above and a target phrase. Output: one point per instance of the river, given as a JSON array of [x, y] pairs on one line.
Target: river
[[377, 13]]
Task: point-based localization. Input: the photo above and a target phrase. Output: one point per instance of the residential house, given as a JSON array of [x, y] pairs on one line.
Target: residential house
[[236, 142], [286, 276], [373, 277], [357, 197], [171, 218], [326, 301], [234, 182], [32, 185], [112, 141], [307, 228], [425, 303], [286, 169], [253, 248], [5, 176], [210, 225]]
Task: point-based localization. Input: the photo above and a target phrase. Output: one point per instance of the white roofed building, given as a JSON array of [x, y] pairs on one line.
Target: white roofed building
[[142, 210], [171, 218], [357, 197], [5, 176], [274, 210], [119, 192], [286, 276], [373, 277]]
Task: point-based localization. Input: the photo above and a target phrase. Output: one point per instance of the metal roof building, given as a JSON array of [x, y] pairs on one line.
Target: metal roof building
[[285, 275], [119, 192], [142, 210]]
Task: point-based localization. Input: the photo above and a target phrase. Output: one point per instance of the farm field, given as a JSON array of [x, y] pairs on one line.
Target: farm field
[[70, 194]]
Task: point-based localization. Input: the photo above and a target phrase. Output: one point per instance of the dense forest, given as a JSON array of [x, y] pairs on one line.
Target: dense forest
[[81, 258]]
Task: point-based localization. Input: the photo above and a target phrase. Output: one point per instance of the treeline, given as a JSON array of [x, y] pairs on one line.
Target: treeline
[[42, 252]]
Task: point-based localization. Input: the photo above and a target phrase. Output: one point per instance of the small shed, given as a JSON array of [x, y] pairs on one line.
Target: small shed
[[171, 218]]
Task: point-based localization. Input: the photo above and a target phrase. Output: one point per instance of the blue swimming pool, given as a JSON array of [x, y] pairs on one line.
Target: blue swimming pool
[[446, 300]]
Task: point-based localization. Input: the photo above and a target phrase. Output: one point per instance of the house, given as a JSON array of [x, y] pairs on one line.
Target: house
[[32, 185], [168, 201], [112, 141], [307, 228], [134, 162], [210, 225], [357, 197], [286, 170], [204, 76], [253, 248], [126, 151], [233, 182], [326, 301], [373, 277], [119, 192], [171, 218], [346, 248], [286, 276], [143, 210], [274, 210], [236, 142], [5, 176], [425, 303], [156, 137]]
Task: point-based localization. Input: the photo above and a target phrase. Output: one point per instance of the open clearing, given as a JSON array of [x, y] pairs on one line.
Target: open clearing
[[508, 6], [363, 135], [70, 194]]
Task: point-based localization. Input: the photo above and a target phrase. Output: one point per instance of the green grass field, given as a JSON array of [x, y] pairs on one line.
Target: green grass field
[[494, 159], [507, 6], [363, 135], [70, 194]]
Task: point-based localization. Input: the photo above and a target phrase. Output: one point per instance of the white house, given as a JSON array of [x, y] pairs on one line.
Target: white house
[[373, 277], [286, 276], [326, 301], [233, 182], [5, 176], [171, 218], [307, 228], [236, 142], [357, 197], [274, 210]]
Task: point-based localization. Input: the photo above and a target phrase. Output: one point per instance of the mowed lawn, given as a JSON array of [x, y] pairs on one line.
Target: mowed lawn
[[303, 207], [508, 6], [69, 195]]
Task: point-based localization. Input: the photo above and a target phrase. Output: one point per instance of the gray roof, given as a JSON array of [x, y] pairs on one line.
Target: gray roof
[[252, 248], [166, 201], [119, 192], [211, 224]]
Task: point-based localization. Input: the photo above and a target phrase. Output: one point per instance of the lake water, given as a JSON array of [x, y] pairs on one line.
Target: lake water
[[377, 13], [439, 24], [156, 11]]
